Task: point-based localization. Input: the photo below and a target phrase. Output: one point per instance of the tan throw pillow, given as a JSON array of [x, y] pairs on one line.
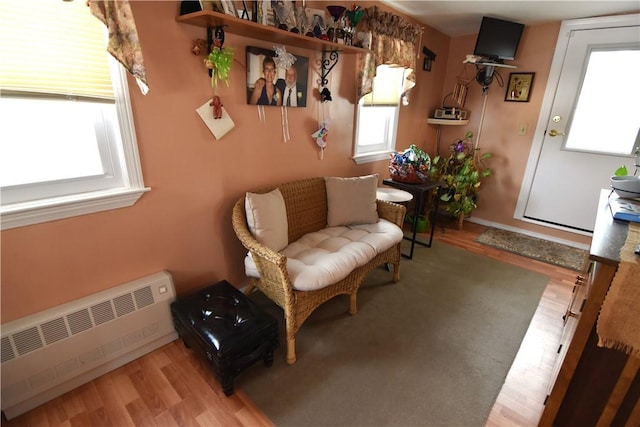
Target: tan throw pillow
[[351, 200], [267, 218]]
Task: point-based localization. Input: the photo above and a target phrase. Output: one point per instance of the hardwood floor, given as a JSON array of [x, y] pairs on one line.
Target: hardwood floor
[[171, 387]]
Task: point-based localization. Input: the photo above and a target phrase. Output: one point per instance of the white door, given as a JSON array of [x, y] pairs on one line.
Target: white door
[[592, 125]]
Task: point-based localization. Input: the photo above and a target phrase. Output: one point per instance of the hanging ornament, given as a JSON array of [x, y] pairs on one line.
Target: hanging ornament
[[198, 46], [285, 124], [283, 59], [216, 103], [321, 136], [219, 62], [325, 94]]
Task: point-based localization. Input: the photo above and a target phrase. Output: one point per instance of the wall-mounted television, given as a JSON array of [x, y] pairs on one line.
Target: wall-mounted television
[[498, 39]]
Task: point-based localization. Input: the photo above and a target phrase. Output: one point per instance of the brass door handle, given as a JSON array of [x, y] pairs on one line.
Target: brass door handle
[[554, 132]]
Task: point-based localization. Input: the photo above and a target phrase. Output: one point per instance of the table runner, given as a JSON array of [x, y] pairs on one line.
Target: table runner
[[618, 325]]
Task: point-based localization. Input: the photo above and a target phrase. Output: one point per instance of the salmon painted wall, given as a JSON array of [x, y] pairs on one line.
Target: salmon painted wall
[[183, 224], [499, 133]]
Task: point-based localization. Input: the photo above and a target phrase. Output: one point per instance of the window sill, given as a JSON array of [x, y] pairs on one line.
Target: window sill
[[372, 157], [36, 212]]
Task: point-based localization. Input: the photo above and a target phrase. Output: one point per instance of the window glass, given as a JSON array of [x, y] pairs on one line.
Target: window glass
[[606, 118]]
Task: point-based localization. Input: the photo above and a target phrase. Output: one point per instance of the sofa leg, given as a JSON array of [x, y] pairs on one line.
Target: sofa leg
[[291, 351], [353, 308], [396, 272]]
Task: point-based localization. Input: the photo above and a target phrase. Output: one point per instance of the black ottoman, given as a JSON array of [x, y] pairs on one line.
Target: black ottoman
[[226, 328]]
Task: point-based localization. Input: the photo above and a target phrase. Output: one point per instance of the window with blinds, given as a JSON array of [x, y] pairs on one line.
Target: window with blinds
[[67, 144], [377, 116]]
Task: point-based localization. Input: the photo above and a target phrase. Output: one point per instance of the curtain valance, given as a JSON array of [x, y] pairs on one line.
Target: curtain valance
[[393, 41]]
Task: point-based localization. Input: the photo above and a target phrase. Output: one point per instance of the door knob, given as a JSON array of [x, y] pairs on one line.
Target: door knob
[[554, 132]]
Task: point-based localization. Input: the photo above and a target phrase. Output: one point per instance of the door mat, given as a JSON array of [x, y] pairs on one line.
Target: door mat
[[533, 247]]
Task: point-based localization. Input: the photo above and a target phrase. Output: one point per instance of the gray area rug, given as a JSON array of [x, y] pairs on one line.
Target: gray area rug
[[431, 350], [532, 247]]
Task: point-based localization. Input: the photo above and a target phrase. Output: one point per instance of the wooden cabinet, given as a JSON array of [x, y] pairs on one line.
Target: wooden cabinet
[[570, 318], [594, 385]]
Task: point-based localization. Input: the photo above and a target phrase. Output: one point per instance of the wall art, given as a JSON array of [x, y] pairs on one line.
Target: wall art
[[269, 85], [519, 87]]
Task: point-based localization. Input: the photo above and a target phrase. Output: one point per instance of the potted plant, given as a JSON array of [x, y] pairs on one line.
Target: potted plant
[[461, 174]]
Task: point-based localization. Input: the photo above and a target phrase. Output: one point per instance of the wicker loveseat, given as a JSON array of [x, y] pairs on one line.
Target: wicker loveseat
[[285, 276]]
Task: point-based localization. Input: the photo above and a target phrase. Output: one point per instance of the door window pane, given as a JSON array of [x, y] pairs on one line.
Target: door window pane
[[606, 118]]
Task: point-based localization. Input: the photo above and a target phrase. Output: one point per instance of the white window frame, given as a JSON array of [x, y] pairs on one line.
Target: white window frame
[[132, 186], [371, 153], [384, 103]]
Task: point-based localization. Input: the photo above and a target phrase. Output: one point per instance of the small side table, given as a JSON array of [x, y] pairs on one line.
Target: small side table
[[420, 192], [394, 195]]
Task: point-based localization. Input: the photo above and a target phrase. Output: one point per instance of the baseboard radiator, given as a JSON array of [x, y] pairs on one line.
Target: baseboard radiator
[[49, 353]]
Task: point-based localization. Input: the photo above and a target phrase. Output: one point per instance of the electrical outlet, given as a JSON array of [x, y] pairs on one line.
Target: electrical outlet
[[522, 129]]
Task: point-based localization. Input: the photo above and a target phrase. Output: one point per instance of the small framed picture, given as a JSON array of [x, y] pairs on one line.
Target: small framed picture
[[519, 87], [426, 65]]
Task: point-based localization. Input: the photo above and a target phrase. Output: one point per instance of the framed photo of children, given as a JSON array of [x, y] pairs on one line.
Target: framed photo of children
[[519, 87], [268, 84]]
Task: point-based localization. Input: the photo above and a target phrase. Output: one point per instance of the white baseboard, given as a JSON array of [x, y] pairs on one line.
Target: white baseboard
[[528, 233]]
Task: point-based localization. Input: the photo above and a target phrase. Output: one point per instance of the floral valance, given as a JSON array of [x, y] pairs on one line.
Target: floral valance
[[124, 44], [393, 41]]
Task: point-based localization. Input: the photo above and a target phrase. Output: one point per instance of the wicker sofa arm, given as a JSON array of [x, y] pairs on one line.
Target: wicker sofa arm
[[391, 212]]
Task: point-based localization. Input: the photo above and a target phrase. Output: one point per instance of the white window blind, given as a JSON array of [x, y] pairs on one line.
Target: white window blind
[[388, 85], [53, 47]]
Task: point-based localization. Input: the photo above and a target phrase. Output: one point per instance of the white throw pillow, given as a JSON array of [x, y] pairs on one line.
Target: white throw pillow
[[351, 200], [267, 218]]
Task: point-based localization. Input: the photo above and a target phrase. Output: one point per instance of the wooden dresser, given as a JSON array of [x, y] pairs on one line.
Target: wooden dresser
[[594, 386]]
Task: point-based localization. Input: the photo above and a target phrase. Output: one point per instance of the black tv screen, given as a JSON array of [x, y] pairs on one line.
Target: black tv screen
[[498, 39]]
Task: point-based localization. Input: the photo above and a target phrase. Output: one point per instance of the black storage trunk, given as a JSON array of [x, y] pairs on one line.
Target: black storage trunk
[[226, 328]]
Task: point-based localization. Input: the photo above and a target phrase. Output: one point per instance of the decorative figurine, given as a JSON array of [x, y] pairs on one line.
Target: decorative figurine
[[216, 103]]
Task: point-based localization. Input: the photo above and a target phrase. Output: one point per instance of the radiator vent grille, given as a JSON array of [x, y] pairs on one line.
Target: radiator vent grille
[[7, 351], [79, 321], [27, 340], [47, 352], [102, 313], [144, 297], [54, 330], [123, 304]]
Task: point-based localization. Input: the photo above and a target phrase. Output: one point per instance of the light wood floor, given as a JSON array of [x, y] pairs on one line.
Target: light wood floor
[[171, 387]]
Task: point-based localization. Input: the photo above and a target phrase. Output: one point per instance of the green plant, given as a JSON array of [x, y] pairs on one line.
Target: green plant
[[461, 174], [621, 171]]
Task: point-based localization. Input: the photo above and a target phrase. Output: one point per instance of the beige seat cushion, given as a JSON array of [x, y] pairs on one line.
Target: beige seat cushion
[[324, 257]]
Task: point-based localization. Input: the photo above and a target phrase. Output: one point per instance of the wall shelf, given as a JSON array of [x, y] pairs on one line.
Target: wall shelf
[[447, 122], [245, 28]]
